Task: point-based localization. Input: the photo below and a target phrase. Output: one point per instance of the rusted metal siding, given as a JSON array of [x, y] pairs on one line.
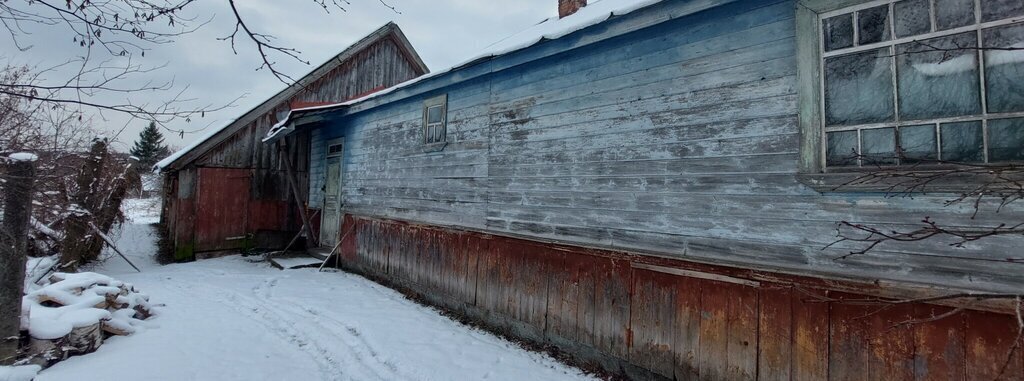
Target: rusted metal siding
[[674, 319]]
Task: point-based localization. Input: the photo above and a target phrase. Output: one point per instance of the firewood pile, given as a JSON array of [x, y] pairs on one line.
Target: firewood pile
[[74, 313]]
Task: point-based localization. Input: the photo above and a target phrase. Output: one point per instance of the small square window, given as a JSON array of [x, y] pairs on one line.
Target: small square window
[[435, 120], [1006, 137], [918, 143], [992, 10], [434, 114], [858, 88], [842, 148], [913, 17], [878, 146], [951, 14], [839, 32], [873, 25], [962, 142]]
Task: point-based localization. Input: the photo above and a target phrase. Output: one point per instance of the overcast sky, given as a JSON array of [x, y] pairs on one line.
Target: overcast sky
[[444, 32]]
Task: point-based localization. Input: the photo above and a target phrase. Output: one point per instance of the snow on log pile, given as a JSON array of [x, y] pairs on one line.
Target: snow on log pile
[[75, 312]]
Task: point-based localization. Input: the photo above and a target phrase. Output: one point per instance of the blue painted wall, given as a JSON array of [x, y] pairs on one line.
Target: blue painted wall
[[680, 139]]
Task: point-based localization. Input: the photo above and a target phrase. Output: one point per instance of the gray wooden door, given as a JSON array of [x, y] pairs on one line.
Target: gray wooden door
[[330, 221]]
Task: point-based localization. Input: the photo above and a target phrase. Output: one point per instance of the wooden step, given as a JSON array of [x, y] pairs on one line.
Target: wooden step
[[295, 261], [319, 252]]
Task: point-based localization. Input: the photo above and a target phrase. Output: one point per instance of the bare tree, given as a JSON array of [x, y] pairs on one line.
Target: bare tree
[[121, 31]]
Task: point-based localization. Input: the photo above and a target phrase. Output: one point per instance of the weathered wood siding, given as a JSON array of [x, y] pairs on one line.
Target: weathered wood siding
[[680, 140], [264, 206], [657, 318], [378, 66]]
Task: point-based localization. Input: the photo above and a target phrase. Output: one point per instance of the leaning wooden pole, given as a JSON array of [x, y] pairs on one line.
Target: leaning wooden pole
[[293, 184], [17, 211], [112, 246]]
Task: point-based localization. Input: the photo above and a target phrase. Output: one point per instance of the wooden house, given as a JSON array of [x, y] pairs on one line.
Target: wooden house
[[228, 191], [653, 187]]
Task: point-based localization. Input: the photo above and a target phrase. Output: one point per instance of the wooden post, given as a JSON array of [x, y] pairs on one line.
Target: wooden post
[[17, 209], [295, 192]]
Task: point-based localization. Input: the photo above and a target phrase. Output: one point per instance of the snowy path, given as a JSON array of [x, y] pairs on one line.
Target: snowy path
[[230, 319]]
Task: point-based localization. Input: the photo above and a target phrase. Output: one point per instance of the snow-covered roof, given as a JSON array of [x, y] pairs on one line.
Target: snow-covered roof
[[549, 29], [177, 155]]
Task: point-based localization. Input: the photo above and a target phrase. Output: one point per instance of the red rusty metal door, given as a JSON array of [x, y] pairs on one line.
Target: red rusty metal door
[[223, 201]]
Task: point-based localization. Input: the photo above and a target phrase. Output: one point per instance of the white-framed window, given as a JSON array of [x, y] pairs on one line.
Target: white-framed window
[[912, 81], [435, 118]]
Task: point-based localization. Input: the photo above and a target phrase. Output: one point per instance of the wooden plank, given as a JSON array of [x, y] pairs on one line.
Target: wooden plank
[[695, 274], [688, 317], [775, 333], [989, 338], [476, 248], [940, 346], [651, 321], [742, 318], [587, 270], [714, 330], [811, 332], [848, 341], [612, 306], [892, 352], [563, 298]]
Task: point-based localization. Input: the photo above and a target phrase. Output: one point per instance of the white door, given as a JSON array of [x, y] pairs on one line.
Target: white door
[[330, 221]]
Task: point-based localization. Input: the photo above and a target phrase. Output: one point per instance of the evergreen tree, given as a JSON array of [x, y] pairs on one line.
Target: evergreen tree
[[150, 148]]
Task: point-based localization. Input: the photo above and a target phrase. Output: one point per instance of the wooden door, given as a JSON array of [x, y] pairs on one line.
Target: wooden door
[[222, 199], [331, 217]]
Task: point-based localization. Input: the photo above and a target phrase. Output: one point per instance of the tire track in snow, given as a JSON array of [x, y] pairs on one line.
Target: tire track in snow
[[362, 350], [284, 327]]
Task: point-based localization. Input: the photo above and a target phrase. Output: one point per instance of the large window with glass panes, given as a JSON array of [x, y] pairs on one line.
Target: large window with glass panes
[[923, 81]]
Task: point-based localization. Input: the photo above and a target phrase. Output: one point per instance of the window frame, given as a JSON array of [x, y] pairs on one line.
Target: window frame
[[438, 101], [811, 55]]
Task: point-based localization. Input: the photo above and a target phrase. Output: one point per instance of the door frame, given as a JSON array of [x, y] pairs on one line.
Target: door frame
[[340, 153]]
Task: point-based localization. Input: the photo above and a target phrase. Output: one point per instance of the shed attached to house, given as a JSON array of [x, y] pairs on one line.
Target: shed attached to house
[[228, 191], [653, 186]]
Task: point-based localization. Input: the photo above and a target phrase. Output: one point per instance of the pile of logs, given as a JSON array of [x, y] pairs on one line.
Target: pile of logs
[[76, 312]]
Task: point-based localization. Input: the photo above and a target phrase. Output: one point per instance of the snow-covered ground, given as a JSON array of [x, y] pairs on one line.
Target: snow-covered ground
[[232, 319]]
